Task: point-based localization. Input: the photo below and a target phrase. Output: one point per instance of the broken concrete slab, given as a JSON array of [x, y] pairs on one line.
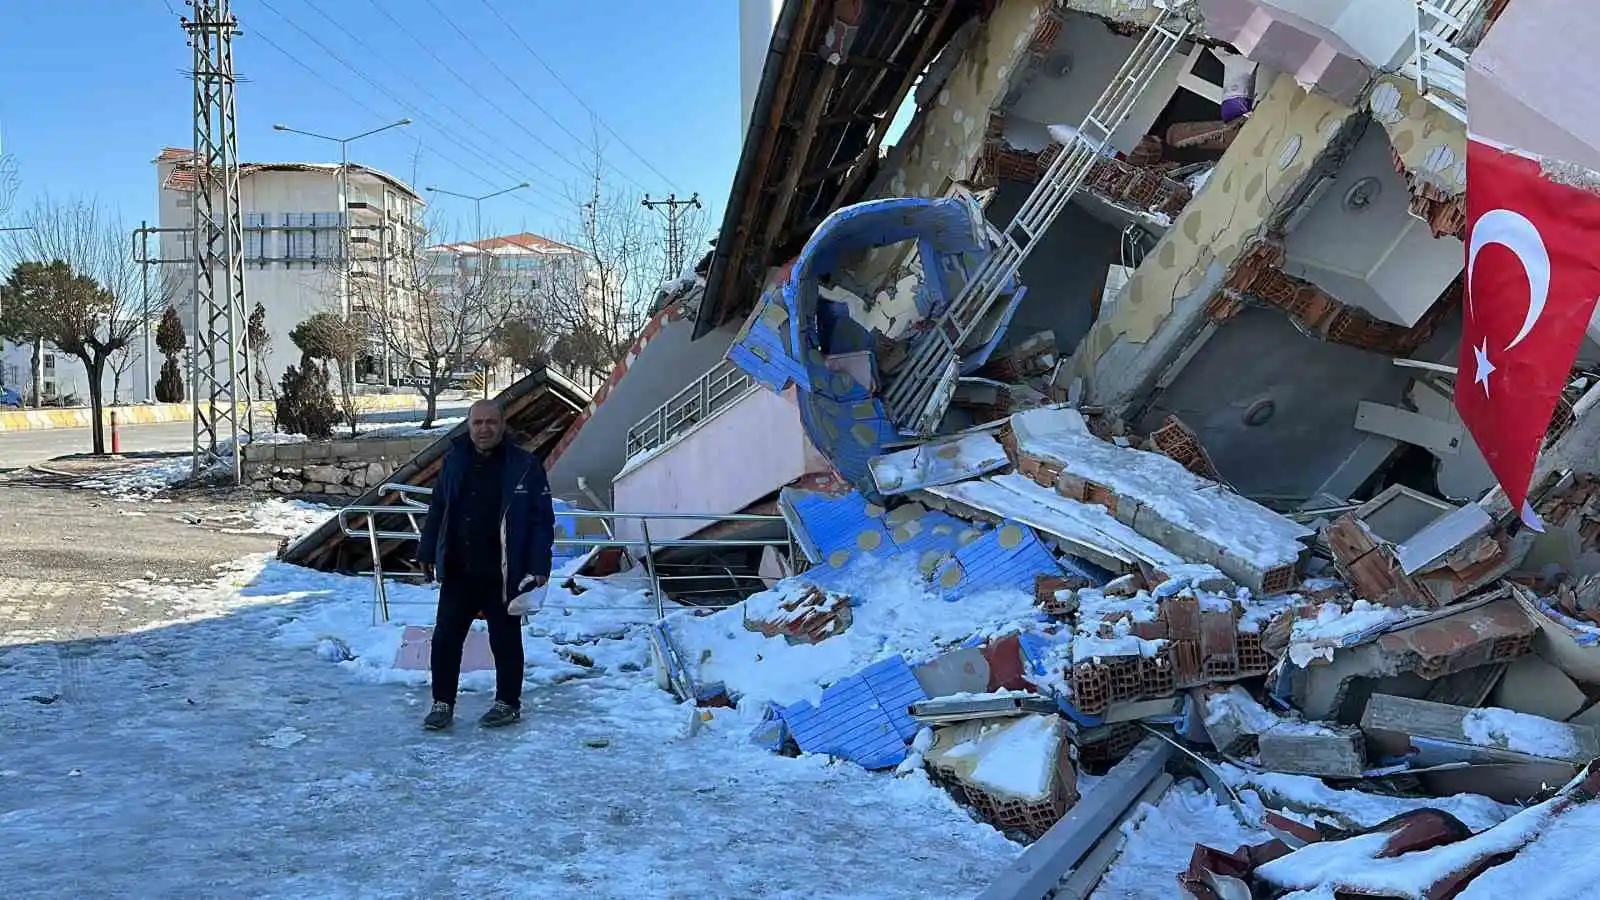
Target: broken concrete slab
[[964, 670], [1232, 719], [1015, 772], [1441, 644], [1081, 529], [1311, 749], [1493, 732], [935, 463], [1136, 710], [1039, 868], [999, 705], [1160, 499], [1536, 687], [1376, 568]]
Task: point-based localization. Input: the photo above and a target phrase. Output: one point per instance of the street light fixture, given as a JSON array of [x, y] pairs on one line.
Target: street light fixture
[[344, 204], [477, 201]]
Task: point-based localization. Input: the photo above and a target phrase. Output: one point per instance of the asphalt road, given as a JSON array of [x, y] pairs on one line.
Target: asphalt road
[[25, 448]]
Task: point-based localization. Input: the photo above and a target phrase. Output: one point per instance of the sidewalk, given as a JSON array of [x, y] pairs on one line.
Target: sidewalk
[[157, 413]]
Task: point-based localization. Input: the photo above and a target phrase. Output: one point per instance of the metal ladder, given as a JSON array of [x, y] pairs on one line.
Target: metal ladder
[[907, 399], [1440, 63]]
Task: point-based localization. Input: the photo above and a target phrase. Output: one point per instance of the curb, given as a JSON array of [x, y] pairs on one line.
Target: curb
[[160, 413]]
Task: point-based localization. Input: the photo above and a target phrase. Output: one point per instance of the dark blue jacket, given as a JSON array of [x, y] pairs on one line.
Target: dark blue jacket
[[527, 525]]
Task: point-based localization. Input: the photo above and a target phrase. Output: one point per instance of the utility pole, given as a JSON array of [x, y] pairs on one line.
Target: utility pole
[[675, 248], [221, 344]]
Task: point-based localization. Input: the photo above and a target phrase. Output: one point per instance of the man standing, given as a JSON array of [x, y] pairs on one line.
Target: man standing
[[488, 537]]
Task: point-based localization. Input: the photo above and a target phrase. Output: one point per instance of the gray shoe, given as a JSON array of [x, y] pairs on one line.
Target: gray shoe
[[500, 715], [440, 717]]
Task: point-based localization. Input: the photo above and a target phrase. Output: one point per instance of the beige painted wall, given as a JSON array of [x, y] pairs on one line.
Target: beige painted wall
[[1430, 141], [1272, 155]]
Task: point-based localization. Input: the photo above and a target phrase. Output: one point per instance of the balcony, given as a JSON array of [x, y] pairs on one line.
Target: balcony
[[718, 446], [1446, 31]]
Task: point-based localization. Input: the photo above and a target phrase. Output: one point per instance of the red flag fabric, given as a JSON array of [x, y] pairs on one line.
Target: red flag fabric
[[1533, 276]]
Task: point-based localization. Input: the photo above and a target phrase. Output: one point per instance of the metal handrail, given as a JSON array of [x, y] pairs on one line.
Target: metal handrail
[[684, 411], [410, 507], [1439, 60]]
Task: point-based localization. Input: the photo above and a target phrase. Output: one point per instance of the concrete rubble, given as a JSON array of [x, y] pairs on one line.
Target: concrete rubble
[[1400, 649]]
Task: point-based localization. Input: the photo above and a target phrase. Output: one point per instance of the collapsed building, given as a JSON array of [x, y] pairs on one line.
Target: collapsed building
[[1149, 315]]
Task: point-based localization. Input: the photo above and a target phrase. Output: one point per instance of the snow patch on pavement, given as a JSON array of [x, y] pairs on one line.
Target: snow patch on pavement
[[212, 755]]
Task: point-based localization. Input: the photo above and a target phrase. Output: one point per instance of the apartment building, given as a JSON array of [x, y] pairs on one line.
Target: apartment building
[[295, 244]]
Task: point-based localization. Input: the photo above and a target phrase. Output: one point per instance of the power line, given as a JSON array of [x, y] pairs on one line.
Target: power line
[[472, 87], [517, 85], [470, 170], [559, 80], [434, 123], [426, 92]]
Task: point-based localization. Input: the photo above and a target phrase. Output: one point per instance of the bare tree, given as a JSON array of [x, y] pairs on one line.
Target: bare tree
[[120, 361], [77, 284], [442, 310], [598, 301]]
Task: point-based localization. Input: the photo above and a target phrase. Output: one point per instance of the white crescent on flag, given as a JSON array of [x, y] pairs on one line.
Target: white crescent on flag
[[1514, 232]]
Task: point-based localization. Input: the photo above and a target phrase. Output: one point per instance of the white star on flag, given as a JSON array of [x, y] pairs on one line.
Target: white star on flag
[[1485, 368]]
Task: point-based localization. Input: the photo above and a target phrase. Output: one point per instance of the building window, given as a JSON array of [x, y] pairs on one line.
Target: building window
[[301, 235], [255, 238], [49, 364]]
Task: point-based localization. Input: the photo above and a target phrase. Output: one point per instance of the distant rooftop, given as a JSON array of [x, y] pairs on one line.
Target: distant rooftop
[[182, 176], [510, 244]]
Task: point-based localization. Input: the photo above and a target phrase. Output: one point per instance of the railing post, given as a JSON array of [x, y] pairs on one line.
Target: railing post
[[650, 566], [380, 593]]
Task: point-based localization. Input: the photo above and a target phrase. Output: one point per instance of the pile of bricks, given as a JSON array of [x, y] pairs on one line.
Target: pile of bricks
[[809, 617], [1258, 276], [1053, 594], [1178, 442], [1141, 187], [1372, 567], [1013, 815], [1201, 647]]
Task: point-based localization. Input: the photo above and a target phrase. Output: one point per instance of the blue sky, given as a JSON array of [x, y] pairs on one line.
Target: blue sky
[[662, 75]]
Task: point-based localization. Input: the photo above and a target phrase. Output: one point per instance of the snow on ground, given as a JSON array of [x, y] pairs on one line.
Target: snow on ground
[[1162, 840], [278, 516], [1560, 864], [267, 747], [385, 430], [894, 612]]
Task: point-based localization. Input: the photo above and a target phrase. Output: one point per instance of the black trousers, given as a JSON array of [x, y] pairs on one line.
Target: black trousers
[[461, 598]]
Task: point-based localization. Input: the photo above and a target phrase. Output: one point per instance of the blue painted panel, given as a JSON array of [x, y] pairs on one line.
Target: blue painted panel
[[783, 342], [987, 564], [837, 523], [862, 718]]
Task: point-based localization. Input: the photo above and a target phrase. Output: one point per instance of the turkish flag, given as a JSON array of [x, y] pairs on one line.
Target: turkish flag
[[1533, 276]]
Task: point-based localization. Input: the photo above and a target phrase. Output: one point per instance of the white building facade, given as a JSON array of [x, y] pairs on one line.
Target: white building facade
[[294, 247], [294, 252]]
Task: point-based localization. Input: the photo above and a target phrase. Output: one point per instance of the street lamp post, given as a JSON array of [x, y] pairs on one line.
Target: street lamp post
[[477, 228], [477, 202], [344, 203]]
